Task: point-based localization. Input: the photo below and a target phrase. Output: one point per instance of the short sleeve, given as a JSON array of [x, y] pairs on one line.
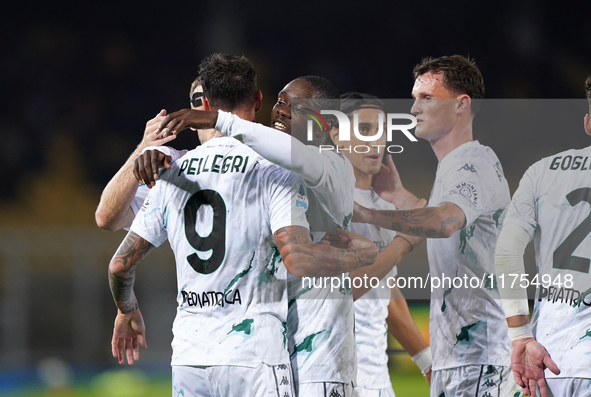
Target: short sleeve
[[464, 186], [522, 210], [288, 199], [139, 198], [148, 222]]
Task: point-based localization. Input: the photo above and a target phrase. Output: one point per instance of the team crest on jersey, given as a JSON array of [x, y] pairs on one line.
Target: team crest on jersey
[[301, 199], [467, 190]]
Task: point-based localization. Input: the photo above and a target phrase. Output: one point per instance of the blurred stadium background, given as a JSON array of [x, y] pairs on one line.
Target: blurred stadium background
[[79, 81]]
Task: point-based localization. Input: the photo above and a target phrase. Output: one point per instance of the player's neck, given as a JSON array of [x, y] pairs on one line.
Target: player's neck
[[362, 180], [245, 114], [206, 135], [455, 138]]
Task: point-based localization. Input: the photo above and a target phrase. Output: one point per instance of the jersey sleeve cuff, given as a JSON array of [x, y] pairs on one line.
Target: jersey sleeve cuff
[[465, 207], [289, 223], [146, 236], [515, 221]]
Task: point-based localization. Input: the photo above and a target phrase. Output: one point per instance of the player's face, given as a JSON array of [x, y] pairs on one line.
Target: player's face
[[366, 163], [282, 118], [434, 107], [197, 98], [198, 89]]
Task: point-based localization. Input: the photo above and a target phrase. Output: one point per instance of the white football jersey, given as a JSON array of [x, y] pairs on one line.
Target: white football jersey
[[320, 322], [371, 310], [553, 204], [219, 206], [467, 322]]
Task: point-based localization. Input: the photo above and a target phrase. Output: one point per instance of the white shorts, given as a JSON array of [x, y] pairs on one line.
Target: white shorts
[[325, 389], [232, 381], [363, 392], [474, 381], [571, 387]]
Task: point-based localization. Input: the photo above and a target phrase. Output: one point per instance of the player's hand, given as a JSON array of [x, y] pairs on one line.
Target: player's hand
[[146, 166], [178, 121], [388, 185], [528, 360], [336, 240], [152, 136], [364, 248], [128, 333], [428, 377]]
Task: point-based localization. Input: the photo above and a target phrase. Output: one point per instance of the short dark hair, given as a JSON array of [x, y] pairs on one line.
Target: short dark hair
[[229, 81], [325, 95], [588, 90], [460, 75], [351, 101]]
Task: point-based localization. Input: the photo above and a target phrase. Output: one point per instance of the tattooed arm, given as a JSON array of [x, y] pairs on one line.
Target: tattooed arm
[[129, 326], [122, 270], [302, 258], [389, 257], [430, 222]]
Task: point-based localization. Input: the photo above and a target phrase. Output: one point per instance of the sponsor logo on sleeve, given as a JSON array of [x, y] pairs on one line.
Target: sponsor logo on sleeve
[[301, 199], [468, 167]]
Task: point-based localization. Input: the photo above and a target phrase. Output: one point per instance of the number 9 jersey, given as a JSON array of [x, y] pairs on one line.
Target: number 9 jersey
[[219, 206], [553, 203]]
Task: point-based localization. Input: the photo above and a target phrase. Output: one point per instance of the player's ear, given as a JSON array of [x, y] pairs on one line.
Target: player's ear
[[588, 124], [259, 101], [206, 105], [464, 103]]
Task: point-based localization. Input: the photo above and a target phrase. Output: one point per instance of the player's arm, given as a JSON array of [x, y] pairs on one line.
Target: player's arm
[[529, 357], [276, 146], [430, 222], [129, 329], [403, 328], [114, 210], [302, 258], [389, 257]]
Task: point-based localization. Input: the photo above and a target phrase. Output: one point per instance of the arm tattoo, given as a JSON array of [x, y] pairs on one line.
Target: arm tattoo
[[122, 270], [416, 230], [320, 260], [396, 227], [422, 222]]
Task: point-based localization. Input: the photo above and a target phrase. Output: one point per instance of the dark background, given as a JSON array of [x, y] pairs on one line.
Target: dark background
[[95, 73], [79, 81]]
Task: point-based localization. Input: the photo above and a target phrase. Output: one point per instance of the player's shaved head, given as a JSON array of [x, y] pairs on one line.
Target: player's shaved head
[[323, 88], [460, 76], [229, 81], [588, 90]]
